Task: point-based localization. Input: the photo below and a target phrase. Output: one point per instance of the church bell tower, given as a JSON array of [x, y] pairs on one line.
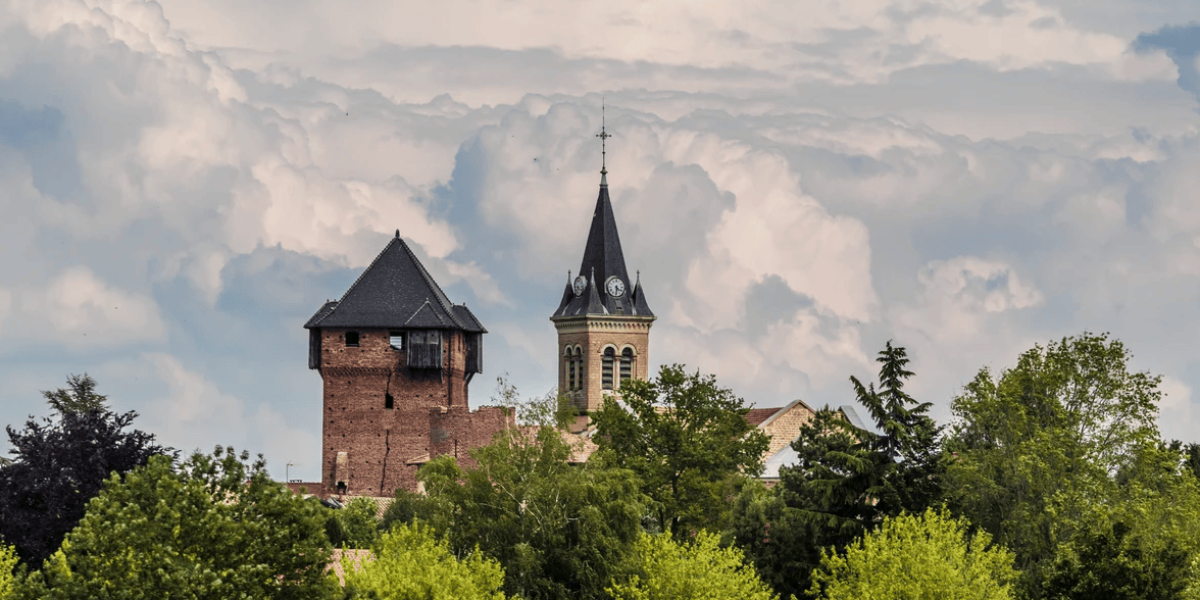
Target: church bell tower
[[603, 321]]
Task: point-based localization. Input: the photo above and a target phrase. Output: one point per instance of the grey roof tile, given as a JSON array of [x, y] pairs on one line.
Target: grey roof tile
[[603, 258], [467, 318], [395, 290]]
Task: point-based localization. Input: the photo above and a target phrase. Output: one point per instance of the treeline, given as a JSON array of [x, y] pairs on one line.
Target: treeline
[[1050, 482]]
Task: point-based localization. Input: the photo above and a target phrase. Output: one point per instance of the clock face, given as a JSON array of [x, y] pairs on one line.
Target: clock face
[[579, 285], [615, 287]]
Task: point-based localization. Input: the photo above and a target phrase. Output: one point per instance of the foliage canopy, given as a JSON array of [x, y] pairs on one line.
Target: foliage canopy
[[216, 528], [687, 440], [914, 557], [60, 463], [411, 564], [696, 570]]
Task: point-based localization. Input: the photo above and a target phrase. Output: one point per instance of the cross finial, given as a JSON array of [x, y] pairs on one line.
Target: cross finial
[[603, 135]]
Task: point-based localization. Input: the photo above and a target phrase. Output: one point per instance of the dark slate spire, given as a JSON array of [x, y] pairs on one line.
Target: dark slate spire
[[595, 307], [395, 291], [603, 258], [640, 307]]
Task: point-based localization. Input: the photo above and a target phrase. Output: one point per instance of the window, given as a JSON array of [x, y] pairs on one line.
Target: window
[[396, 339], [606, 369], [388, 400], [569, 364], [351, 339], [626, 365], [580, 367]]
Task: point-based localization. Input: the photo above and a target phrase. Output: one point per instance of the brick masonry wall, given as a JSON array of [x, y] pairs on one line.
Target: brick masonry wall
[[378, 441], [455, 430], [784, 428]]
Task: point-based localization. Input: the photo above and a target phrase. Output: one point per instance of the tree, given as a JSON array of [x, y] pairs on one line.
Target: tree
[[216, 528], [1192, 458], [411, 564], [559, 530], [1038, 450], [911, 557], [699, 570], [355, 525], [688, 441], [1109, 564], [81, 397], [845, 479], [8, 562], [60, 464]]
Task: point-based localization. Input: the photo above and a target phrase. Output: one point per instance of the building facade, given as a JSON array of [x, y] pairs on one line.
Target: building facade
[[396, 358], [603, 321]]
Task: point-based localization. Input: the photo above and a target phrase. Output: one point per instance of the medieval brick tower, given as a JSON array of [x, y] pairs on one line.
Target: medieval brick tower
[[395, 357], [603, 321]]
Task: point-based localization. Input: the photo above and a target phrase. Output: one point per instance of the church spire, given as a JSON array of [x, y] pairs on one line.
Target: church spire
[[603, 135]]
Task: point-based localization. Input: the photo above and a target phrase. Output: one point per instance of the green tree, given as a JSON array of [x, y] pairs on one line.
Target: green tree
[[60, 463], [559, 530], [699, 570], [80, 396], [687, 440], [912, 557], [845, 479], [355, 525], [8, 563], [434, 510], [411, 564], [217, 528], [1038, 450], [1109, 564]]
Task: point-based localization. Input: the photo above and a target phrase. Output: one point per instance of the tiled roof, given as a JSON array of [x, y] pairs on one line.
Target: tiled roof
[[603, 260], [467, 318], [395, 291], [756, 416], [321, 313]]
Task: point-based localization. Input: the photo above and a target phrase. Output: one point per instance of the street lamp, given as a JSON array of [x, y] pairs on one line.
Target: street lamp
[[287, 472]]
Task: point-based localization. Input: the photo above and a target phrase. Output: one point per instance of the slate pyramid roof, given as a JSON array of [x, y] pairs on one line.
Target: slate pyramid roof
[[395, 291], [602, 260]]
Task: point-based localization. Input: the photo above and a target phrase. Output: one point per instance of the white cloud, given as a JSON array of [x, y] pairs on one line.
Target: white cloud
[[959, 296], [195, 414], [79, 311], [963, 177]]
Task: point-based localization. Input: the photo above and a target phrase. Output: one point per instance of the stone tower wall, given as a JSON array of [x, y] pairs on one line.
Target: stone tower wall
[[378, 441], [593, 334]]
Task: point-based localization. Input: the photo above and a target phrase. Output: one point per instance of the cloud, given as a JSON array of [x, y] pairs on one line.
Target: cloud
[[965, 178], [195, 414], [1182, 45], [958, 297], [78, 311]]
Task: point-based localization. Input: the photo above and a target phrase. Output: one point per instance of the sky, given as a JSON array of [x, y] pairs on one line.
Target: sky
[[184, 183]]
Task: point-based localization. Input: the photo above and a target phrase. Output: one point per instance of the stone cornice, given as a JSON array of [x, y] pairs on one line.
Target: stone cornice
[[605, 323]]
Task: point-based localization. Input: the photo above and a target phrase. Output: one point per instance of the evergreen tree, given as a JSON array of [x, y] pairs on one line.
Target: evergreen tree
[[846, 479]]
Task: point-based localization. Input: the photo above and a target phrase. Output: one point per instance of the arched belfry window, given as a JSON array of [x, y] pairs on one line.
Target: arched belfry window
[[626, 365], [579, 368], [606, 368], [569, 366]]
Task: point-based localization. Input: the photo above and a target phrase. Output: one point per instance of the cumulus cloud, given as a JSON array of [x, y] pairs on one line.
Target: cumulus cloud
[[195, 413], [78, 311], [966, 178]]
